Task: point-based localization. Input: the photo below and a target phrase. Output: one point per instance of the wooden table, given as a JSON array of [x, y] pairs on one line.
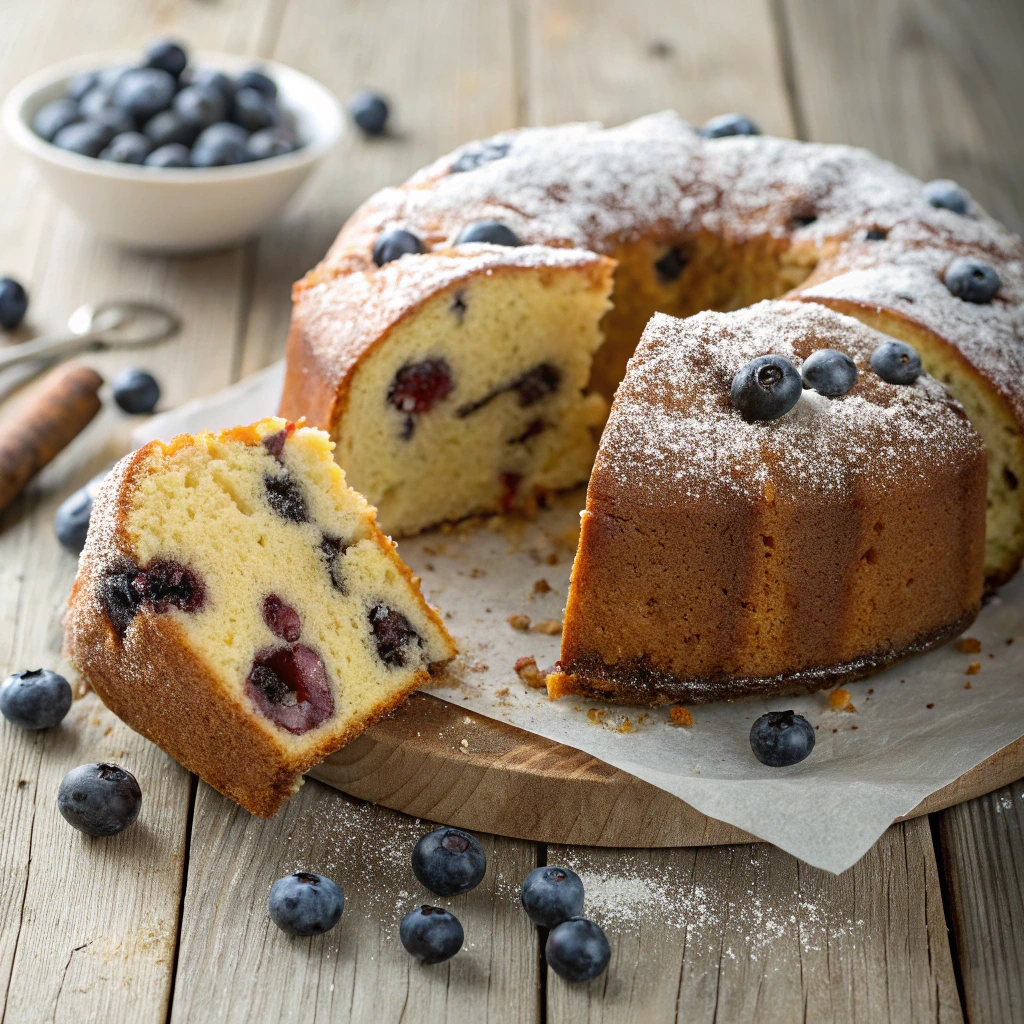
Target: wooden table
[[168, 921]]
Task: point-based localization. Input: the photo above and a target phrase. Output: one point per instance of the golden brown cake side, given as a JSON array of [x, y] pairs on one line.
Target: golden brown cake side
[[174, 667], [790, 555]]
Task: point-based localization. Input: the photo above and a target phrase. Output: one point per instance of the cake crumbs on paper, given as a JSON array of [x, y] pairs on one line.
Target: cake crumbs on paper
[[967, 685], [841, 700], [968, 645], [521, 622], [929, 706], [973, 669], [625, 726], [542, 586], [552, 627], [681, 717], [478, 666], [596, 715], [503, 692], [526, 669]]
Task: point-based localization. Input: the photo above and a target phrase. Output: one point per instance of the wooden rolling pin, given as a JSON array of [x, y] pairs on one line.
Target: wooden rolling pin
[[43, 428]]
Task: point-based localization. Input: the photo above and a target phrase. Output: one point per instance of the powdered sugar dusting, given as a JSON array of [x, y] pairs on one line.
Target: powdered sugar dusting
[[673, 424]]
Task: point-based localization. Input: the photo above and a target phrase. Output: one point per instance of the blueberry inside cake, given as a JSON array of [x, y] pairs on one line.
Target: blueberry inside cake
[[237, 604]]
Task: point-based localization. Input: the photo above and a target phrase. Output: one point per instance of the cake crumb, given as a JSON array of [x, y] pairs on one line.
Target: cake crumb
[[542, 586], [551, 559], [840, 700], [969, 645], [967, 685], [929, 706], [478, 666], [681, 717], [464, 744], [626, 726], [552, 627], [519, 621], [596, 715], [973, 669], [503, 692], [853, 727], [526, 669]]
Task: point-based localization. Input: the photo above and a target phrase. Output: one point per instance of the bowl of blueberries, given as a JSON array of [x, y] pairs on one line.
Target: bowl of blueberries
[[169, 150]]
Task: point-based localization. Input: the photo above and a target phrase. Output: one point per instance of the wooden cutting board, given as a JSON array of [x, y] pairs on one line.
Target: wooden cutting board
[[443, 763]]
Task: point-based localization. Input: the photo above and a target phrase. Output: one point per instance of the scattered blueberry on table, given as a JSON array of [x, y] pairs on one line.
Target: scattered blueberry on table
[[13, 303], [99, 799], [766, 388], [370, 111], [577, 949], [35, 699], [135, 391], [449, 861], [305, 903], [781, 738], [551, 895], [431, 934], [133, 115], [896, 362]]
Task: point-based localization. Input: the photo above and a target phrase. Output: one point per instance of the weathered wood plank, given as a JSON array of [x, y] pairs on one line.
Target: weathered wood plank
[[749, 934], [455, 82], [982, 845], [88, 927], [236, 965], [934, 85], [611, 61]]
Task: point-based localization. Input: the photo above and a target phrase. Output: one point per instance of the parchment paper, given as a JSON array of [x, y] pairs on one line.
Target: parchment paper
[[916, 727]]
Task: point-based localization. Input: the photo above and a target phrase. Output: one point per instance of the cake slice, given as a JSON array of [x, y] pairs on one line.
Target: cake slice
[[454, 382], [721, 557], [236, 604]]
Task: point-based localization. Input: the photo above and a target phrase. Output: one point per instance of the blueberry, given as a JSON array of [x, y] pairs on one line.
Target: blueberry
[[478, 154], [829, 372], [491, 231], [269, 142], [174, 154], [305, 903], [210, 78], [781, 738], [71, 522], [971, 280], [144, 91], [253, 111], [87, 138], [107, 78], [432, 934], [78, 85], [393, 244], [577, 949], [13, 303], [35, 699], [135, 391], [169, 127], [99, 799], [200, 105], [99, 107], [449, 861], [729, 124], [127, 148], [258, 80], [947, 195], [552, 895], [53, 116], [370, 111], [896, 362], [219, 145], [166, 55], [766, 388], [875, 235]]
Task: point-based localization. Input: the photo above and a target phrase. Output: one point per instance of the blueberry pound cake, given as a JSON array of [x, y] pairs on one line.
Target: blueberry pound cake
[[453, 290], [816, 503], [236, 604]]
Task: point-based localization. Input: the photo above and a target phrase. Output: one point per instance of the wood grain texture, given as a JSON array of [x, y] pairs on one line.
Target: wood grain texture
[[520, 784], [934, 85], [88, 927], [749, 934], [982, 844], [235, 965]]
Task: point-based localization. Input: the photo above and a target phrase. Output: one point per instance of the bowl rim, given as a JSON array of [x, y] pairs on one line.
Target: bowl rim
[[15, 118]]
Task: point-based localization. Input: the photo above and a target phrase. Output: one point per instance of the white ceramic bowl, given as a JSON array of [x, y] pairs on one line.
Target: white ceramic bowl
[[184, 209]]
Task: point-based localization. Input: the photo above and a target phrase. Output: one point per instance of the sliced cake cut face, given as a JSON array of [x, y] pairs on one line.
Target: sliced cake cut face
[[792, 553], [237, 604], [472, 400]]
